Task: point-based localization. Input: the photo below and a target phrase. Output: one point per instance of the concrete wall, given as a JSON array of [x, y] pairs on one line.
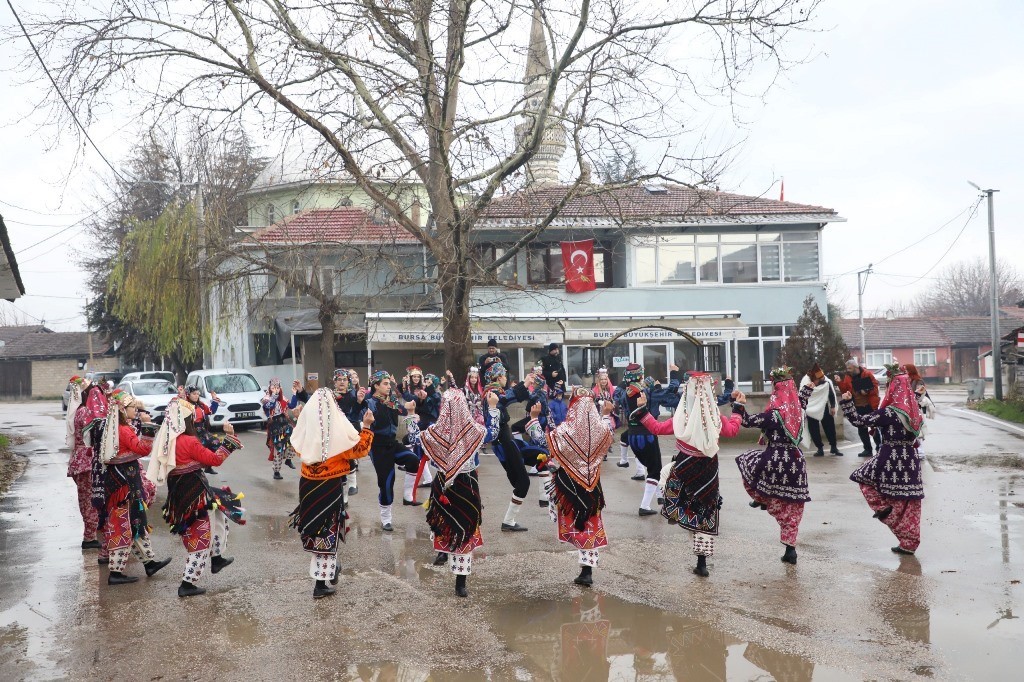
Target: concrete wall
[[50, 377]]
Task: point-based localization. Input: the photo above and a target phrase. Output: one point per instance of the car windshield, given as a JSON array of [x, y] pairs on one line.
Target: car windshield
[[153, 388], [232, 383]]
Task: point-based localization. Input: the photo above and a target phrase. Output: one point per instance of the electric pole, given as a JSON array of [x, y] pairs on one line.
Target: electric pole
[[861, 286], [997, 360]]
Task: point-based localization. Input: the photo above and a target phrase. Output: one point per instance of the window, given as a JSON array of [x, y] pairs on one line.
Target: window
[[739, 263], [877, 358], [352, 359], [271, 214], [924, 357], [544, 266], [676, 261], [800, 256], [264, 349], [295, 207], [646, 258], [488, 253]]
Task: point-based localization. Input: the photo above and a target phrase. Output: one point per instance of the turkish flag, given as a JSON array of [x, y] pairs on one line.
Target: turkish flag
[[578, 265]]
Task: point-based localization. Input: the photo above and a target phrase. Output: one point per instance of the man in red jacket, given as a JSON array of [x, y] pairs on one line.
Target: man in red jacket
[[862, 384]]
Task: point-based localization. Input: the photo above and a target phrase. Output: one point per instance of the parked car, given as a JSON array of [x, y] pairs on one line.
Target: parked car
[[881, 375], [155, 394], [158, 374], [239, 392], [114, 377]]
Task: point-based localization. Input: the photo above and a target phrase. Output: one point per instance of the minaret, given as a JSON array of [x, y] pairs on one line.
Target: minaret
[[542, 169]]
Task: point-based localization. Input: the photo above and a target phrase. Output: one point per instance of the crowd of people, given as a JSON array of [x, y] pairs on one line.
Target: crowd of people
[[434, 429]]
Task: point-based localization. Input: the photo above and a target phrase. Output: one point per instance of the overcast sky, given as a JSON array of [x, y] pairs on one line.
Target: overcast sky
[[902, 104]]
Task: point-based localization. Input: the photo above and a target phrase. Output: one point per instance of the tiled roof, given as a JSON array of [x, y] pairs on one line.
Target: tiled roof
[[903, 332], [9, 334], [669, 201], [348, 225], [46, 344]]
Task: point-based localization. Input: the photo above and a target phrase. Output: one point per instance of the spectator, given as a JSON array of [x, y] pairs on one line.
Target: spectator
[[552, 367], [492, 355], [862, 384]]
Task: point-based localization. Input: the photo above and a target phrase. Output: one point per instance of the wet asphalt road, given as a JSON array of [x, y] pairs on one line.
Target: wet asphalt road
[[850, 610]]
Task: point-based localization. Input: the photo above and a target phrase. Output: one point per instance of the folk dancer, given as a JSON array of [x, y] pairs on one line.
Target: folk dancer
[[534, 450], [454, 512], [692, 498], [891, 481], [776, 477], [94, 410], [473, 389], [422, 389], [80, 463], [350, 402], [127, 528], [578, 446], [194, 510], [924, 401], [279, 427], [504, 446], [604, 391], [386, 452], [643, 443], [821, 411], [202, 415], [862, 384], [326, 444]]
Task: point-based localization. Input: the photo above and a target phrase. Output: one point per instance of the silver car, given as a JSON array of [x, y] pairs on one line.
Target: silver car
[[155, 394]]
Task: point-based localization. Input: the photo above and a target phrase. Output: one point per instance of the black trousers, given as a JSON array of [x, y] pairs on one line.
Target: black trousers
[[384, 457], [512, 461], [827, 422], [865, 438], [648, 452]]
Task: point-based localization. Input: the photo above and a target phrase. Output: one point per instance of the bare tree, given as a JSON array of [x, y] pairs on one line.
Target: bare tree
[[962, 290], [429, 90], [11, 316]]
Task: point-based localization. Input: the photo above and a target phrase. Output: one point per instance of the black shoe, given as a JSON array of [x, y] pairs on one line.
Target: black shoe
[[410, 503], [278, 476], [322, 589], [288, 463], [460, 586], [353, 491], [387, 527], [210, 470], [103, 561], [219, 562], [899, 550], [622, 465], [425, 485], [334, 580], [836, 452], [866, 453], [702, 567], [638, 477], [586, 577], [543, 503], [120, 579], [153, 566], [441, 559], [790, 556], [90, 544], [647, 512], [820, 452], [512, 528], [882, 514], [187, 589], [660, 501]]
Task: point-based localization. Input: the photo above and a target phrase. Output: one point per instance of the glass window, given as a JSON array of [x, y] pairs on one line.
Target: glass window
[[353, 359], [507, 271], [295, 207], [687, 355], [924, 357], [876, 358], [799, 236], [800, 260], [264, 348], [772, 351], [753, 332], [769, 237], [707, 238], [771, 331], [748, 359], [646, 261], [675, 264], [553, 258], [327, 281], [770, 265], [708, 263], [544, 266], [535, 270], [232, 383], [739, 263], [271, 214]]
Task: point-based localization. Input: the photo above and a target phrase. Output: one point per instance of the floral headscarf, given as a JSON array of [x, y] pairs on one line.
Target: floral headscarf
[[74, 402], [493, 372], [580, 442], [785, 402], [455, 437], [163, 457], [901, 399]]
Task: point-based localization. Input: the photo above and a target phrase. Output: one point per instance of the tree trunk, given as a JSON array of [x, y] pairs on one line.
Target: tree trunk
[[326, 370], [454, 284]]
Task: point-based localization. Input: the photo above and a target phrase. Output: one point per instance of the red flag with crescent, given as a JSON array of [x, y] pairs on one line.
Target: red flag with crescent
[[578, 265]]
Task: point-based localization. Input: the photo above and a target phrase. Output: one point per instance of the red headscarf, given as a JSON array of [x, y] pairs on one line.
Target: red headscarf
[[785, 402], [454, 437], [900, 398], [580, 442]]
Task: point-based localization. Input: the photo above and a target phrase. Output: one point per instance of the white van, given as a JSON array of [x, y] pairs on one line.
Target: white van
[[239, 392]]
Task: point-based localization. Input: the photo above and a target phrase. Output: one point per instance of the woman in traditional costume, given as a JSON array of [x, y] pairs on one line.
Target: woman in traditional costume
[[776, 477], [452, 443], [604, 392], [127, 527], [473, 389], [89, 421], [196, 511], [201, 417], [578, 446], [504, 446], [644, 443], [891, 481], [80, 463], [326, 444], [350, 402], [386, 451], [279, 427], [692, 498]]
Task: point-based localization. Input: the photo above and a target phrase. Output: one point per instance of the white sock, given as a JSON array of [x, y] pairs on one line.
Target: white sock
[[650, 490], [513, 511], [544, 478], [352, 480], [410, 485], [344, 495], [428, 475], [385, 514], [623, 453], [641, 470]]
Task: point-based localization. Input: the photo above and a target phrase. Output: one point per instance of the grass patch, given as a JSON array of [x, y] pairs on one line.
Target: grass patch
[[4, 441], [1010, 411]]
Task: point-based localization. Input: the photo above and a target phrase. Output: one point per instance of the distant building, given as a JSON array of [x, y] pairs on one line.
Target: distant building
[[36, 362]]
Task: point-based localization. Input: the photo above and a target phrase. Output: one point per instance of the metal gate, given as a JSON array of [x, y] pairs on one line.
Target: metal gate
[[16, 379]]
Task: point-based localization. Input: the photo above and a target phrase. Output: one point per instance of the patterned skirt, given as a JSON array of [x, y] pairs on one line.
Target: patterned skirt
[[190, 497], [455, 513], [124, 487], [577, 512], [692, 499], [895, 472], [320, 517], [778, 471], [279, 434]]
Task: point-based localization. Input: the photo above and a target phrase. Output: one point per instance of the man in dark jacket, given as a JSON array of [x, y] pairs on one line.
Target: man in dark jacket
[[552, 367], [861, 382], [491, 356]]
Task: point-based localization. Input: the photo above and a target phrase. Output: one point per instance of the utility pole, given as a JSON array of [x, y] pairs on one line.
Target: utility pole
[[997, 360], [861, 286]]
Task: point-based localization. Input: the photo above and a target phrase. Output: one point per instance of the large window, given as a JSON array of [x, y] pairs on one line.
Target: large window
[[760, 352], [727, 259], [544, 266], [877, 358], [924, 357], [488, 254]]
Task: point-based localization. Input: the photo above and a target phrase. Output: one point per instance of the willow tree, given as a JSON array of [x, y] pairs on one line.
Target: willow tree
[[431, 91]]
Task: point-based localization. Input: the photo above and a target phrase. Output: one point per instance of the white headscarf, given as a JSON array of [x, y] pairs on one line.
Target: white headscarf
[[697, 422], [74, 402], [163, 457], [322, 431]]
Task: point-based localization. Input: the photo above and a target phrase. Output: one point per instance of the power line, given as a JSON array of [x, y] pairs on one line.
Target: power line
[[32, 210], [55, 234], [56, 88], [21, 222], [974, 212]]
